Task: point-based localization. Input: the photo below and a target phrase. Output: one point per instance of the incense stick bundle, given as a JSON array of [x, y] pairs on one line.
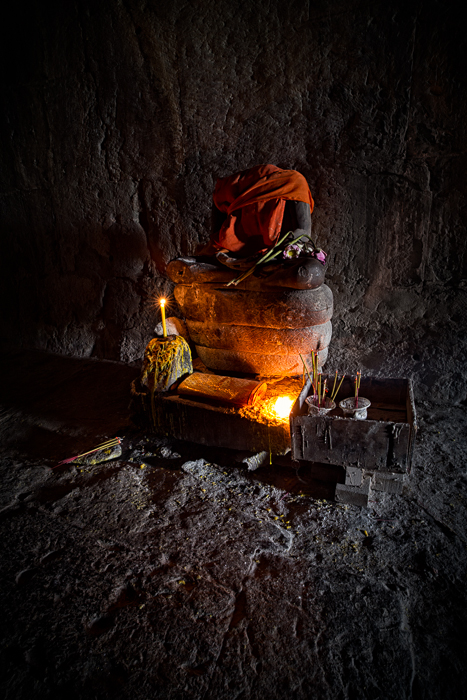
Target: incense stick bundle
[[305, 368], [104, 446]]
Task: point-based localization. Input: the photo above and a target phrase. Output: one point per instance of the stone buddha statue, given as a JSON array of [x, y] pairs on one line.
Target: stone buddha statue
[[262, 323]]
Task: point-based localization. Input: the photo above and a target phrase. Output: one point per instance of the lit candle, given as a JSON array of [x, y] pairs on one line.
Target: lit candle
[[164, 327]]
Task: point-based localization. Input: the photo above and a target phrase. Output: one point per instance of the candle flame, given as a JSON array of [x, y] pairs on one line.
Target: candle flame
[[162, 302], [283, 406]]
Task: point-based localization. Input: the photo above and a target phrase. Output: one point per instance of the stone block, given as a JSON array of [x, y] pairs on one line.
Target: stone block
[[354, 495], [353, 476], [388, 482]]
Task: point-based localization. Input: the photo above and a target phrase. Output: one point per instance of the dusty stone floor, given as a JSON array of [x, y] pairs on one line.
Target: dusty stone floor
[[173, 572]]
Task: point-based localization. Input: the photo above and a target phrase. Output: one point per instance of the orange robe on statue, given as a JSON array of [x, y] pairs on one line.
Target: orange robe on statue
[[254, 201]]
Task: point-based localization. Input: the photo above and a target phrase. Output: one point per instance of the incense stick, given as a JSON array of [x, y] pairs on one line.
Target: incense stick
[[334, 385], [334, 393], [357, 387], [315, 366], [105, 445], [305, 367]]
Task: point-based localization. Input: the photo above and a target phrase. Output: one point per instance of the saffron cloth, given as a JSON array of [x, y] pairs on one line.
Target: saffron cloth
[[254, 201]]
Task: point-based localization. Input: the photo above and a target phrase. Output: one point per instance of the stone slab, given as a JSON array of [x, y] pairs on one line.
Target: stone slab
[[285, 308], [273, 341]]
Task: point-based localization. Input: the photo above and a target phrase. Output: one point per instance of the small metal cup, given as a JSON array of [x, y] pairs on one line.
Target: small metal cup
[[315, 410], [355, 412]]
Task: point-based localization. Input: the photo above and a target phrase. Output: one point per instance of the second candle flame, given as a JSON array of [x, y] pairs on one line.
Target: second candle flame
[[164, 327]]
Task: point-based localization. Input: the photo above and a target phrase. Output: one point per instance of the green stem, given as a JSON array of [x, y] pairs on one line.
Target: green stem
[[306, 368], [267, 257]]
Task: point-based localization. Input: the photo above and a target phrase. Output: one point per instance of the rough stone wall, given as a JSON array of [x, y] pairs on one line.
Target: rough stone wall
[[120, 115]]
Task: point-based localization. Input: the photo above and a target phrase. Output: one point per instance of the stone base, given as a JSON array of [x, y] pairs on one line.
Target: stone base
[[257, 363]]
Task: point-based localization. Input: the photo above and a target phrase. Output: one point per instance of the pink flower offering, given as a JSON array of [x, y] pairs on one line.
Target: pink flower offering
[[321, 256], [292, 251]]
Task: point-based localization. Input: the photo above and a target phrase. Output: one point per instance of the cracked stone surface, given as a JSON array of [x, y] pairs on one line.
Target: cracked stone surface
[[175, 572]]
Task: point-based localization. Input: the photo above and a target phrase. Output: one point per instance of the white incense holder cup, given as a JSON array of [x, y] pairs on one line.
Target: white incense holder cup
[[315, 410], [351, 410]]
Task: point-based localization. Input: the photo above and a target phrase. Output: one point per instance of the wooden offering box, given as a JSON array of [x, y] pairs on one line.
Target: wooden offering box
[[377, 450], [205, 423], [208, 422]]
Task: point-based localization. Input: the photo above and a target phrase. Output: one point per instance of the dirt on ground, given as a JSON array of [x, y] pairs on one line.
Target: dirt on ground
[[175, 572]]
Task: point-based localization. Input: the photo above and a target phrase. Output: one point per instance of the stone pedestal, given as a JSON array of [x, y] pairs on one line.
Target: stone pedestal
[[256, 327]]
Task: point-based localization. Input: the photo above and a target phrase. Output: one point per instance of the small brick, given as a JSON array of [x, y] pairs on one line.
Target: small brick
[[353, 476], [354, 495], [388, 482]]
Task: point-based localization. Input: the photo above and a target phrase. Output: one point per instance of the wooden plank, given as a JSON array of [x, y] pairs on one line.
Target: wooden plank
[[361, 444], [351, 443], [217, 426], [388, 406], [398, 449], [392, 415]]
